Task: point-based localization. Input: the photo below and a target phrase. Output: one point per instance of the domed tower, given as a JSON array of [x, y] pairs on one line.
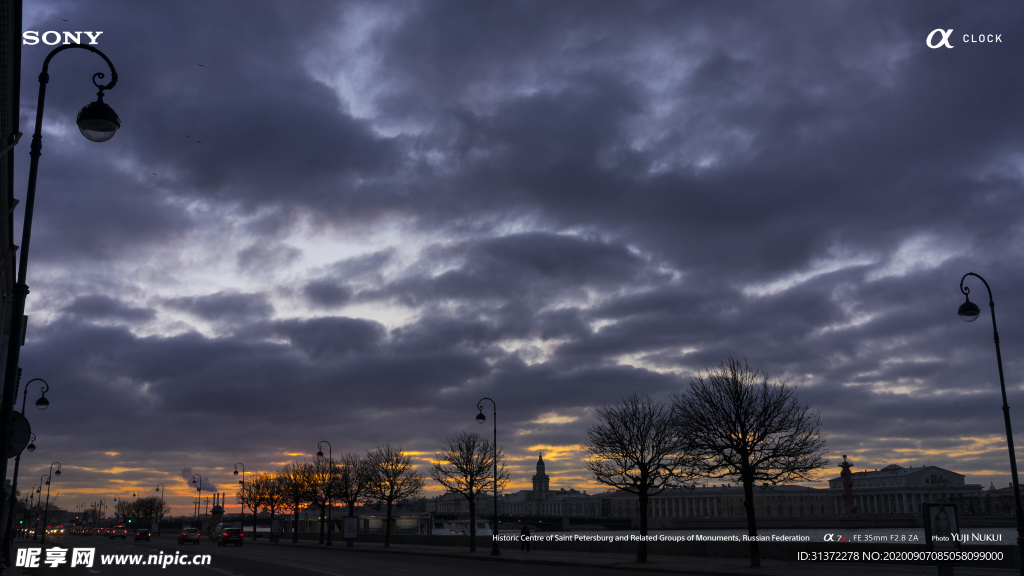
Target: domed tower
[[540, 479]]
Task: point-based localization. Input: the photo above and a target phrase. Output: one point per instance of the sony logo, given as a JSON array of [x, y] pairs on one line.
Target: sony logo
[[31, 37]]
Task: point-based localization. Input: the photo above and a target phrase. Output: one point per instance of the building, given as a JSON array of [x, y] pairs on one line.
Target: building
[[10, 113], [540, 501], [457, 506], [543, 501], [897, 490], [682, 507]]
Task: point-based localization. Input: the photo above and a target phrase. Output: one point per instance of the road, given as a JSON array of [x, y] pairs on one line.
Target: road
[[267, 560]]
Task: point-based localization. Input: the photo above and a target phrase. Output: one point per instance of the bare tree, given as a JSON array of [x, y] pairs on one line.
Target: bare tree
[[353, 479], [125, 509], [742, 426], [150, 508], [633, 448], [249, 496], [466, 467], [394, 479], [267, 492], [299, 485], [139, 509]]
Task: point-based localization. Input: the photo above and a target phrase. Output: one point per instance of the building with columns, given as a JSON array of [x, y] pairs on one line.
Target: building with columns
[[897, 490], [681, 507]]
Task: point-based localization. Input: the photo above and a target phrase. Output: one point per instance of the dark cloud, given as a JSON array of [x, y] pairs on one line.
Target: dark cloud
[[326, 293], [534, 266], [321, 337], [225, 306], [100, 307]]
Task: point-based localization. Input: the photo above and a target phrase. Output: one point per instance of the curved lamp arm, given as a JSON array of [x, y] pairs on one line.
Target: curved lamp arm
[[42, 403], [44, 76]]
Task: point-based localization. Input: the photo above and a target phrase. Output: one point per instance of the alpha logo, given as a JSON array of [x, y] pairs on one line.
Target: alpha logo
[[945, 38], [52, 37]]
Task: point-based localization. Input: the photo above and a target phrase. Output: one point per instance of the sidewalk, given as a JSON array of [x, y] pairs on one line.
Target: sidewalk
[[655, 564]]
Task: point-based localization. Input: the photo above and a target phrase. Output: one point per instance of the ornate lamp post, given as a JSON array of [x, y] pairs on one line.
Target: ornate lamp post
[[39, 500], [330, 483], [161, 489], [200, 489], [969, 312], [31, 502], [242, 482], [46, 508], [480, 418], [97, 122], [41, 403]]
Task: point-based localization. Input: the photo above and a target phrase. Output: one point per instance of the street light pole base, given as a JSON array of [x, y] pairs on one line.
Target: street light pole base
[[494, 549]]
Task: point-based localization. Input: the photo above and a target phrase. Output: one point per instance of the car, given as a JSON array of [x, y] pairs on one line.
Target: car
[[119, 530], [231, 536], [189, 535], [142, 534]]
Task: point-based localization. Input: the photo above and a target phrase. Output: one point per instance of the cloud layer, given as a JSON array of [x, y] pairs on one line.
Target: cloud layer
[[352, 221]]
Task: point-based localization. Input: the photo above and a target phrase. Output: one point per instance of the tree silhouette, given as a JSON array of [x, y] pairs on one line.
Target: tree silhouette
[[353, 478], [633, 448], [466, 466], [742, 426], [394, 478], [299, 484]]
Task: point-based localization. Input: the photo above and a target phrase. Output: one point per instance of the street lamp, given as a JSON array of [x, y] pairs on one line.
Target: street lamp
[[200, 501], [242, 482], [330, 486], [9, 529], [46, 508], [97, 122], [969, 312], [480, 418], [39, 500], [31, 500], [159, 516]]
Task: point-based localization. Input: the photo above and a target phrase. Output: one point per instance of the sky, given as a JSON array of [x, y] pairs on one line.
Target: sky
[[350, 221]]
